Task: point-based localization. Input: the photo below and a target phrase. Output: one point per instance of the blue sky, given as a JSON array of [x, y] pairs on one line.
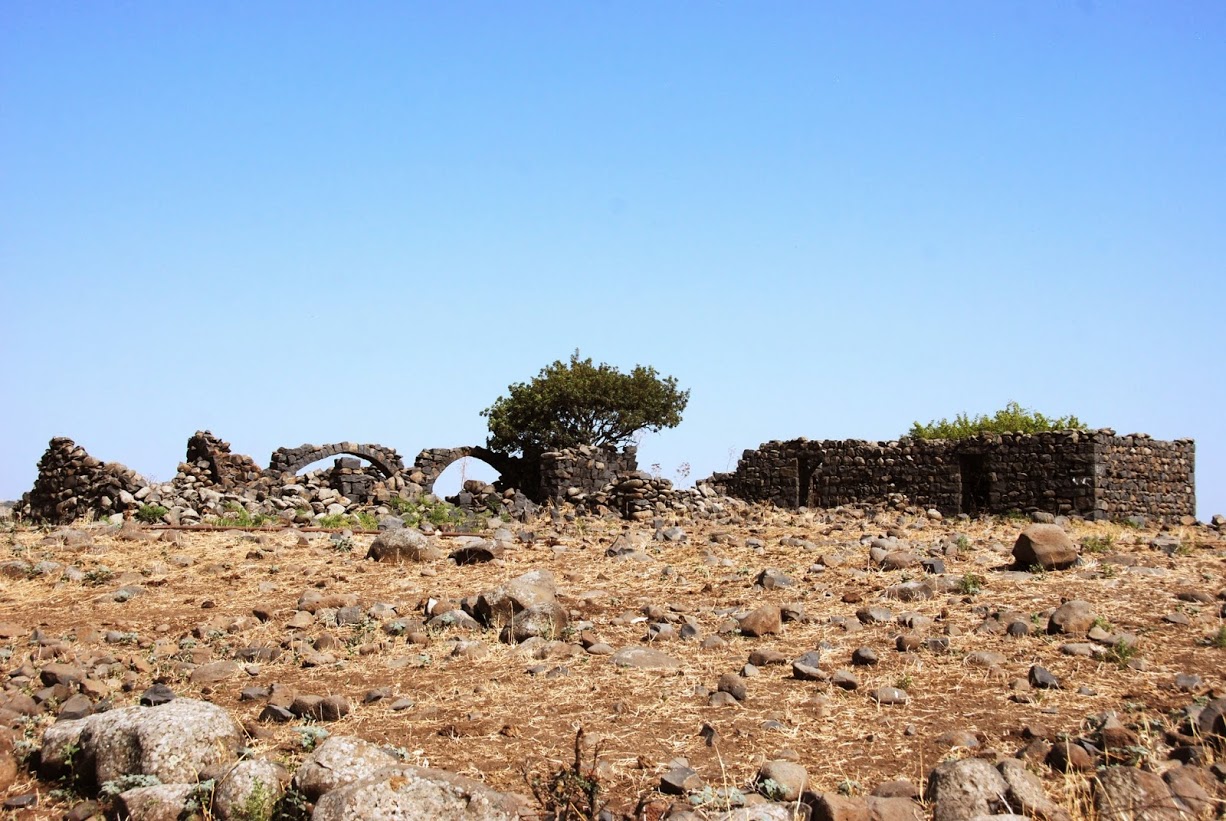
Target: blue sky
[[312, 222]]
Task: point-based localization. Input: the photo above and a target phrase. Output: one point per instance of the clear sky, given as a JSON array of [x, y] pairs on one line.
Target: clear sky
[[297, 222]]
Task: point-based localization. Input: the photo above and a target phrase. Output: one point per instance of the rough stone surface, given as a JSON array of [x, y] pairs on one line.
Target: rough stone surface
[[1130, 794], [411, 792], [960, 790], [340, 760], [1045, 546], [247, 790], [1094, 474], [1072, 617], [173, 742]]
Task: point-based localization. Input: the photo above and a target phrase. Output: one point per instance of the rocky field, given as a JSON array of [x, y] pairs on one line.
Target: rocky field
[[829, 664]]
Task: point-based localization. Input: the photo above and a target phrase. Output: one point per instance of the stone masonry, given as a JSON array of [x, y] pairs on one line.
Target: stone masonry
[[1094, 474]]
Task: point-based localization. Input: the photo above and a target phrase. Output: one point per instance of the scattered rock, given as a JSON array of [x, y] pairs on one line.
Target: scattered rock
[[1046, 546]]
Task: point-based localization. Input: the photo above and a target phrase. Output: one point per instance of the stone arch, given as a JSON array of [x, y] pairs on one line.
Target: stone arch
[[433, 461], [292, 460]]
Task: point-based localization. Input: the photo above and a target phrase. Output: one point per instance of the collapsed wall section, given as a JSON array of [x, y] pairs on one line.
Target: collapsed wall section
[[72, 484], [586, 469]]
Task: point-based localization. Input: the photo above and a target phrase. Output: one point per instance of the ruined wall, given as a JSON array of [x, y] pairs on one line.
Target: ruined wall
[[566, 474], [1143, 475], [72, 484], [1087, 473], [210, 463]]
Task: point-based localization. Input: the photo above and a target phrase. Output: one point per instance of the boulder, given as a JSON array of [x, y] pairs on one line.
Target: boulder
[[338, 762], [497, 607], [248, 790], [403, 791], [1074, 616], [1045, 546], [1131, 794], [763, 621], [545, 619], [173, 742], [405, 544], [966, 788]]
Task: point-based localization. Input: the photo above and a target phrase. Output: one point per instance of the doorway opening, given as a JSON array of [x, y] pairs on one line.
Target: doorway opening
[[976, 483]]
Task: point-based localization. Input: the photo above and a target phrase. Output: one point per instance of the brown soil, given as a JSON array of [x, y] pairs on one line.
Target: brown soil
[[489, 718]]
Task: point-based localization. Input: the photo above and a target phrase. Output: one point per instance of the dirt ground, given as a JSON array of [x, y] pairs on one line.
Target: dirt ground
[[481, 712]]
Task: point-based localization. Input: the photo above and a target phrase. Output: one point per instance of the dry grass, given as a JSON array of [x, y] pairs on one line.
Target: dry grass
[[487, 718]]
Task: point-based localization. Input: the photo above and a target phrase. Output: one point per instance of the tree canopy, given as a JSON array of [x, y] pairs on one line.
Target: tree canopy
[[578, 403], [1012, 418]]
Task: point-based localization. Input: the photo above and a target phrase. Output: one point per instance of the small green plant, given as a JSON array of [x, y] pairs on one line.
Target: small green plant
[[1218, 639], [310, 736], [367, 520], [1038, 570], [971, 583], [151, 514], [131, 781], [570, 793], [292, 806], [437, 513], [336, 521], [1102, 624], [238, 516], [1122, 652], [1097, 544], [343, 545], [904, 682], [772, 789], [258, 806], [963, 543]]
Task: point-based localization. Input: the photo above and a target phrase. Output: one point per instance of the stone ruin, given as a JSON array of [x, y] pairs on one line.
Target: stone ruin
[[215, 482], [1093, 474]]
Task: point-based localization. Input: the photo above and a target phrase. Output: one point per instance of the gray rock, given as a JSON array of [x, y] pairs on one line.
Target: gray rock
[[497, 607], [339, 761], [411, 792], [248, 790], [889, 695], [763, 621], [545, 619], [163, 802], [1074, 616], [960, 790], [807, 667], [782, 780], [733, 685], [1042, 678], [1130, 794], [644, 658], [401, 545], [1026, 792], [173, 742], [1045, 546]]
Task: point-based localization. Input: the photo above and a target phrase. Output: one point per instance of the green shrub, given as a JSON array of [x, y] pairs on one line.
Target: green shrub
[[150, 514], [1097, 544], [1013, 418]]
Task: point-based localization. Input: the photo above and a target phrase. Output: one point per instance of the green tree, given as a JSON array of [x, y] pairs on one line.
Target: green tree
[[1012, 418], [577, 403]]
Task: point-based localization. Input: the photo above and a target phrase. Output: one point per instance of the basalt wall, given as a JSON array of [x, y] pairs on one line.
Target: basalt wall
[[1094, 474]]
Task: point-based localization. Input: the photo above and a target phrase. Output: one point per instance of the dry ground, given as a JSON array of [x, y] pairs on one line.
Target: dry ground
[[487, 717]]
